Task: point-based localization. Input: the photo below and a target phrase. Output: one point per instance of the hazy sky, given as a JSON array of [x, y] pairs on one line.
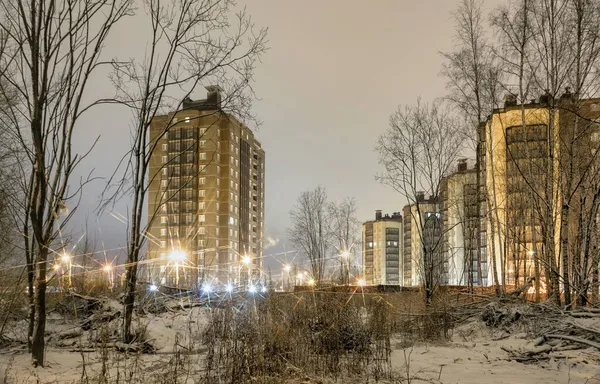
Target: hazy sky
[[335, 71]]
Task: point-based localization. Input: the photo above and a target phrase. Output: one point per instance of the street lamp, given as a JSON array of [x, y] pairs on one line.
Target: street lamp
[[178, 256], [68, 260], [287, 268], [108, 269], [361, 282], [247, 261], [345, 266]]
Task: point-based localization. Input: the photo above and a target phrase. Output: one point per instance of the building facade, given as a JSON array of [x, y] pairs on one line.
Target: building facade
[[535, 160], [460, 218], [382, 245], [422, 238], [206, 196]]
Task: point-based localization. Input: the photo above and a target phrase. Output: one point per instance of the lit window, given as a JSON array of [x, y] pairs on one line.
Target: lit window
[[231, 220], [163, 243], [163, 219], [164, 171], [202, 131], [187, 119], [201, 230], [165, 159], [202, 193], [165, 147], [202, 180], [202, 218], [202, 143], [202, 155], [163, 231], [202, 205], [164, 183]]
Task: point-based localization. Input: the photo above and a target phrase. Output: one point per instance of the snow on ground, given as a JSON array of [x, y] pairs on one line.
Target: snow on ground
[[474, 356]]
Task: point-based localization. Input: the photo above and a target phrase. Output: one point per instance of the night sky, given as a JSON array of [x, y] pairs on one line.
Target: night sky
[[334, 73]]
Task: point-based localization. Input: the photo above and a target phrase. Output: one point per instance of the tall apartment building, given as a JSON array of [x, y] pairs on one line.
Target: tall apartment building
[[382, 242], [206, 196], [422, 238], [462, 264], [527, 157]]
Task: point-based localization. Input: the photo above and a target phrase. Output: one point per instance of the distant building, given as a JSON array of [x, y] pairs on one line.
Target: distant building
[[460, 217], [422, 240], [382, 242], [206, 196]]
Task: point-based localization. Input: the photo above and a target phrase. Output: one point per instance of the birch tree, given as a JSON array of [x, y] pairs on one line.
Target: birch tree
[[52, 49]]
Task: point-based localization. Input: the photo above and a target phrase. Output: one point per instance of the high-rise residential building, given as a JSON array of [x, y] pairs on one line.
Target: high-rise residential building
[[206, 196], [422, 239], [382, 242], [460, 218], [529, 154]]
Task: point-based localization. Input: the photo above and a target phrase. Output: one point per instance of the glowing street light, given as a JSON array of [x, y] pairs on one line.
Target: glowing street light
[[252, 289], [247, 261], [108, 269], [207, 288], [345, 254], [229, 288], [311, 282], [153, 288], [287, 268], [263, 289], [68, 260], [361, 282], [178, 256]]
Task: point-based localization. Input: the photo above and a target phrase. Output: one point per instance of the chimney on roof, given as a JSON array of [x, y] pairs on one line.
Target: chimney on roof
[[420, 196], [378, 214], [214, 95], [510, 99], [462, 165]]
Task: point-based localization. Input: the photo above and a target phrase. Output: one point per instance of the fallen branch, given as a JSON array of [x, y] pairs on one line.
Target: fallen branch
[[575, 339]]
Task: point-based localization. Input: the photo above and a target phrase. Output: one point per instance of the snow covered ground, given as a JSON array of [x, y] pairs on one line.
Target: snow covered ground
[[474, 355]]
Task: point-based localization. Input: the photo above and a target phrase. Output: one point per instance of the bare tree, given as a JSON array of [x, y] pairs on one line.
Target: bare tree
[[52, 48], [192, 43], [310, 230], [417, 151], [345, 233]]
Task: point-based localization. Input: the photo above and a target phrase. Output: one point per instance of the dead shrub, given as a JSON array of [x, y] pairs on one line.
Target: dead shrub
[[317, 333]]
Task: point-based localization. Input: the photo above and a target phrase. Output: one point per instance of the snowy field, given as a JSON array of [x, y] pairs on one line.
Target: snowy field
[[476, 353]]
